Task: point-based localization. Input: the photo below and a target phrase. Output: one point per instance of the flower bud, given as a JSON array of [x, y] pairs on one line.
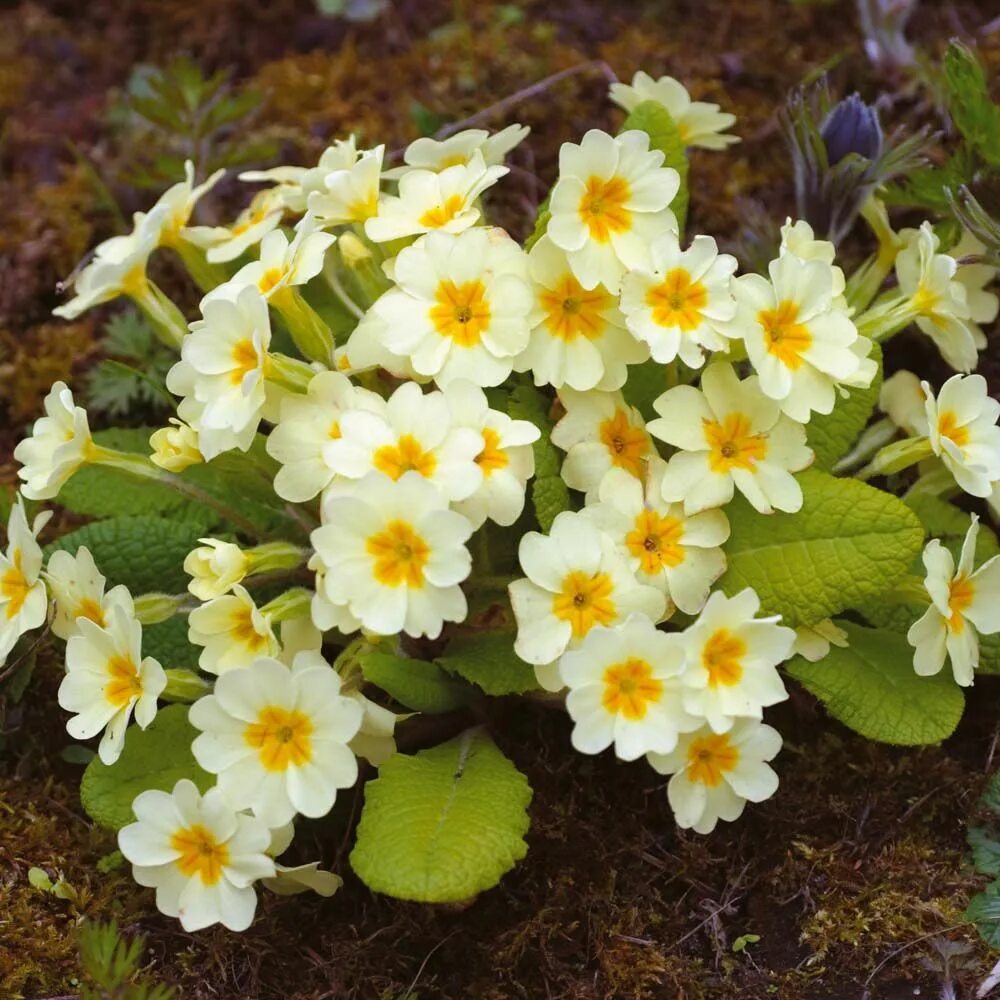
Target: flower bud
[[851, 127], [215, 568], [175, 448]]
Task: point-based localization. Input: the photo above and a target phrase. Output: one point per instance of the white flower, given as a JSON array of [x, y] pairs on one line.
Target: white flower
[[366, 349], [225, 243], [964, 602], [175, 447], [200, 855], [680, 555], [307, 423], [118, 267], [283, 263], [77, 588], [296, 184], [174, 207], [575, 580], [903, 399], [609, 203], [731, 660], [578, 337], [277, 737], [288, 881], [799, 239], [928, 278], [106, 678], [599, 432], [963, 431], [698, 122], [716, 774], [23, 600], [799, 342], [394, 555], [324, 613], [375, 740], [233, 631], [349, 194], [813, 642], [59, 444], [412, 433], [224, 362], [439, 154], [215, 567], [429, 200], [983, 305], [460, 306], [506, 459], [624, 688], [679, 305], [730, 437]]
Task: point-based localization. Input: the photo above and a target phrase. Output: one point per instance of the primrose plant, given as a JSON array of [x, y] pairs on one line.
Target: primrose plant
[[416, 466]]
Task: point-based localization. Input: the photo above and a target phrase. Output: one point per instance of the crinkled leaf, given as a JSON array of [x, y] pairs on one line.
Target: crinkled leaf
[[831, 435], [420, 685], [550, 496], [444, 824], [144, 553], [847, 545], [653, 118], [646, 382], [870, 686], [157, 757], [168, 643], [488, 660], [985, 849], [984, 911]]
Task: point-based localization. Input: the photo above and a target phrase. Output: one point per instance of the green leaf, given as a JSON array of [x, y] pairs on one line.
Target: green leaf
[[646, 382], [848, 544], [420, 685], [144, 553], [984, 911], [974, 113], [443, 825], [991, 797], [870, 687], [541, 224], [549, 497], [985, 849], [157, 757], [831, 435], [653, 118], [168, 643], [488, 660]]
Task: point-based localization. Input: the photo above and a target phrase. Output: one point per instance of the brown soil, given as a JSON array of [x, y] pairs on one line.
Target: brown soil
[[854, 876]]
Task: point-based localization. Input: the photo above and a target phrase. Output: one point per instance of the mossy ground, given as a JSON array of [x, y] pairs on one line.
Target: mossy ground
[[853, 877]]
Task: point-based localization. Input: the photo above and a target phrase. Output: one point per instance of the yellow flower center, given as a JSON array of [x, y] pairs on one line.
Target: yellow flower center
[[948, 428], [441, 215], [585, 601], [630, 688], [254, 216], [281, 737], [364, 208], [334, 433], [123, 681], [960, 597], [709, 758], [677, 301], [627, 445], [406, 455], [14, 586], [201, 854], [245, 360], [925, 301], [492, 458], [400, 555], [722, 657], [461, 312], [602, 207], [784, 337], [244, 631], [731, 445], [269, 279], [89, 608], [571, 311], [656, 541]]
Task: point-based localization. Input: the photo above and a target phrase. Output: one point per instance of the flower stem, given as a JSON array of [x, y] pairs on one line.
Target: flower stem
[[896, 457]]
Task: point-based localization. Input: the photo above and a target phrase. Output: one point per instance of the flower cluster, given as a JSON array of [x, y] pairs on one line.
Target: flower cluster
[[438, 365]]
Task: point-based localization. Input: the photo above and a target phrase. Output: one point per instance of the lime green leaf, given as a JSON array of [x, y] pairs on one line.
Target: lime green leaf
[[653, 118], [974, 113], [420, 685], [847, 545], [488, 660], [443, 825], [831, 435], [145, 553], [549, 496], [870, 686], [984, 911], [157, 757], [541, 224]]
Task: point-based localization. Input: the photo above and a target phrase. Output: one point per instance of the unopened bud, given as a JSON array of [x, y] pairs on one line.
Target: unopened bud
[[851, 127]]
